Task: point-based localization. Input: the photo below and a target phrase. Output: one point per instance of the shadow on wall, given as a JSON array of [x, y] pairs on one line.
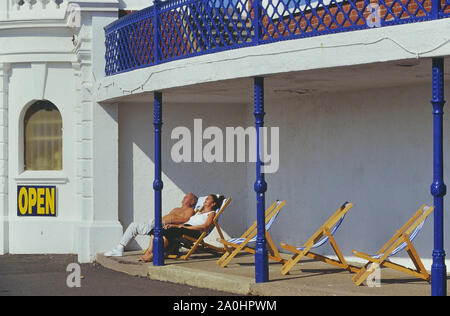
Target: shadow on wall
[[371, 147], [136, 168]]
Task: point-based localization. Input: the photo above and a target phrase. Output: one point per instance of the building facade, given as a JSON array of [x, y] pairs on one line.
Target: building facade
[[347, 84], [49, 54]]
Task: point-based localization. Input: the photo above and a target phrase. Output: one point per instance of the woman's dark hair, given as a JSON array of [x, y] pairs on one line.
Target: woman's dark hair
[[195, 200], [218, 199]]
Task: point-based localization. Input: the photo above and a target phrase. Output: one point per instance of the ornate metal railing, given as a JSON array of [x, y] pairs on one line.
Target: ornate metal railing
[[177, 29], [445, 9]]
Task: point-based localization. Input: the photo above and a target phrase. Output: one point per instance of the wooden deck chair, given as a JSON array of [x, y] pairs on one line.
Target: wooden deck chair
[[241, 243], [401, 240], [323, 235], [199, 242]]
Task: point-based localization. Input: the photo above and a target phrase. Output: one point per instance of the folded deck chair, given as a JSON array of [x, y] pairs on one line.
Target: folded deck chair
[[241, 243], [401, 240], [194, 243], [323, 235]]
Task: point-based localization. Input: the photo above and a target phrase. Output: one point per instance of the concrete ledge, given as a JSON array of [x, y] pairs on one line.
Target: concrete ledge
[[123, 266], [308, 278], [178, 274], [226, 282], [203, 279]]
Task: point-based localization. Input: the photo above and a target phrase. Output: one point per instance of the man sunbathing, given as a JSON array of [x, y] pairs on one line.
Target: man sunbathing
[[177, 216], [200, 222]]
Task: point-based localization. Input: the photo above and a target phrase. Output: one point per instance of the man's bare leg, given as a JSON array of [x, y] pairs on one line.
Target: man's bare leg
[[148, 254]]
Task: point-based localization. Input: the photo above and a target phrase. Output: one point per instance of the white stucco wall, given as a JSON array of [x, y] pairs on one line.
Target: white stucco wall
[[347, 131], [372, 147], [369, 144], [134, 4], [97, 143], [53, 82], [45, 57], [4, 76], [136, 168]]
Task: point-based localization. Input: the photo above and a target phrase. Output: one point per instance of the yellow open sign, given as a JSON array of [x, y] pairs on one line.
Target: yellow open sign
[[36, 201]]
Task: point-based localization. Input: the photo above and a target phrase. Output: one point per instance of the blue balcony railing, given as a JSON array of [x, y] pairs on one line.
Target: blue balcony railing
[[176, 29]]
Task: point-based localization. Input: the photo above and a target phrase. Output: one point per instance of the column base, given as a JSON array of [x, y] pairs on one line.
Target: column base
[[96, 237], [4, 236], [261, 264], [438, 274], [158, 251]]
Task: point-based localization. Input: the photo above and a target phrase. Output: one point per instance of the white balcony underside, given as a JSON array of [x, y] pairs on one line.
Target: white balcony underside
[[334, 62]]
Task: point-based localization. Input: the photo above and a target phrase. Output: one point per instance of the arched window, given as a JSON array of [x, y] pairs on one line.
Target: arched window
[[43, 137]]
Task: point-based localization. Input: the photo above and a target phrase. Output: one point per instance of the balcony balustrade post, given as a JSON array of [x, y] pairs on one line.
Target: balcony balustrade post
[[156, 32], [257, 6], [435, 9], [16, 4], [158, 243], [44, 3], [4, 9], [28, 4]]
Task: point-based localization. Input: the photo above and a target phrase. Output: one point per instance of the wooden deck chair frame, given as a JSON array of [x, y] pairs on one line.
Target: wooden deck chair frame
[[401, 236], [199, 242], [231, 249], [323, 231]]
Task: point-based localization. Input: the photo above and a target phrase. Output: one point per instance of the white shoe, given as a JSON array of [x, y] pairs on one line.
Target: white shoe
[[114, 253]]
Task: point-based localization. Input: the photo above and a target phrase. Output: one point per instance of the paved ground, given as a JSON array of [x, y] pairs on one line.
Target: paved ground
[[46, 275], [306, 278], [27, 275]]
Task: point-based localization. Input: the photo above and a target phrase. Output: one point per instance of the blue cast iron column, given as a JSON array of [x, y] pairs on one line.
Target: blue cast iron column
[[438, 188], [261, 257], [158, 244]]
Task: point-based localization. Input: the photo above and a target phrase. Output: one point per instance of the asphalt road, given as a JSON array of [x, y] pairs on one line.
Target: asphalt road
[[47, 275]]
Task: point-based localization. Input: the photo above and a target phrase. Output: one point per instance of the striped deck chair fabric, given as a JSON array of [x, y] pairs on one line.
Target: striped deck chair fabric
[[240, 240], [199, 242], [322, 236], [235, 245], [401, 240]]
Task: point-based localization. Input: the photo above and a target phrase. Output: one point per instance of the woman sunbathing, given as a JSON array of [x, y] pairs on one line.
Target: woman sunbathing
[[197, 224]]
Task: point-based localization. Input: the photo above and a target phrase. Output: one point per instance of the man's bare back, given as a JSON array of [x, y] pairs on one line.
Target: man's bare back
[[181, 215], [178, 215]]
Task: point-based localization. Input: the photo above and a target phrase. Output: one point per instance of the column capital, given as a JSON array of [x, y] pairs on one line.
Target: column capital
[[4, 68]]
